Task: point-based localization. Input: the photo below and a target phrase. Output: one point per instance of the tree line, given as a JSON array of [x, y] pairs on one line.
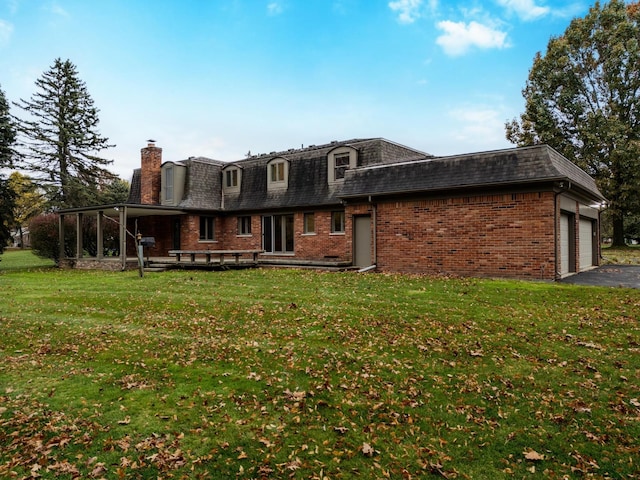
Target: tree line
[[56, 141]]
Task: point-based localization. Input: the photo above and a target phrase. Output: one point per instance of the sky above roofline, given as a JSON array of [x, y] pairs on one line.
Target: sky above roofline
[[224, 78]]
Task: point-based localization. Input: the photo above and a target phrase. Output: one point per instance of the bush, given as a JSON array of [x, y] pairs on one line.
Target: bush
[[44, 236]]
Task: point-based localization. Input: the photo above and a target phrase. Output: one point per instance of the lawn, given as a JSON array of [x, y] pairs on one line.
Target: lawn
[[298, 374], [629, 255]]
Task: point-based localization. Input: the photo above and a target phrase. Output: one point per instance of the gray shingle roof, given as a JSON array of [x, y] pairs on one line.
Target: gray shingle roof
[[384, 168], [203, 186], [515, 166], [308, 183], [135, 192]]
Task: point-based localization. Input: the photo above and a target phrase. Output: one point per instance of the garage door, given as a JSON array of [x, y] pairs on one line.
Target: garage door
[[586, 243], [565, 250]]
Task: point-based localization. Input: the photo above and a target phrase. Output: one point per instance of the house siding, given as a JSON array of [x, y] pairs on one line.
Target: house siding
[[506, 235]]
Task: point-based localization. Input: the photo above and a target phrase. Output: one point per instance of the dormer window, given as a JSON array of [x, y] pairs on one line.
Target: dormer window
[[339, 161], [172, 183], [340, 165], [231, 177], [277, 174], [168, 184]]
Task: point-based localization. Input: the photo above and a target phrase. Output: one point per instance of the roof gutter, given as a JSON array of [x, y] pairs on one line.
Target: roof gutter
[[466, 187]]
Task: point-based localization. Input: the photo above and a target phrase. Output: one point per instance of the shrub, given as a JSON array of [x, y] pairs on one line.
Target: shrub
[[44, 231]]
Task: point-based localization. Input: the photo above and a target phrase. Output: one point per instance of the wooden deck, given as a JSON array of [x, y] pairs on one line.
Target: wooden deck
[[216, 257]]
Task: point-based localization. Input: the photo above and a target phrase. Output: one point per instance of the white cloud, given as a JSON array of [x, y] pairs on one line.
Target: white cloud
[[525, 9], [480, 125], [408, 10], [275, 8], [459, 37], [6, 30], [57, 10]]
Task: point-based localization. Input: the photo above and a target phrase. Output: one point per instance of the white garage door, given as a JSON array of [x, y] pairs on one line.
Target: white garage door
[[565, 250], [586, 243]]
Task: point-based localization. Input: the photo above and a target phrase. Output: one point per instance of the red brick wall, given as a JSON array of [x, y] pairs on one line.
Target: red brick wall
[[322, 245], [150, 175], [510, 235]]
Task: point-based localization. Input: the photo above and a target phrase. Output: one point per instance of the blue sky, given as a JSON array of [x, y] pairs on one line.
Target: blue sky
[[219, 78]]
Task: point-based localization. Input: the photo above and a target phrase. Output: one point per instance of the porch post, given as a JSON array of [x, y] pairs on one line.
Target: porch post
[[123, 237], [100, 235], [79, 245], [61, 254]]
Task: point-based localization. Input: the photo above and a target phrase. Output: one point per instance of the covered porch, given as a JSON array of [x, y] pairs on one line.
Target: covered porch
[[125, 217]]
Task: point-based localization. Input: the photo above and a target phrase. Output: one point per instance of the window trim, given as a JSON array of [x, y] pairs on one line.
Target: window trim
[[228, 172], [340, 153], [244, 221], [169, 179], [209, 234], [305, 226], [272, 166], [343, 222]]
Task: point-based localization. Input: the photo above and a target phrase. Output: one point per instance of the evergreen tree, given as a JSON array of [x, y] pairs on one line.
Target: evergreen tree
[[583, 99], [7, 196], [59, 141], [7, 133]]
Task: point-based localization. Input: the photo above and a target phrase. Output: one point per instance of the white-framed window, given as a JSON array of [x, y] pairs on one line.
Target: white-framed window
[[207, 229], [231, 178], [244, 225], [168, 183], [337, 222], [339, 161], [309, 224], [277, 174]]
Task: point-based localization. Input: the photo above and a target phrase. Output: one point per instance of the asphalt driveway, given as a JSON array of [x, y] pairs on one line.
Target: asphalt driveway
[[608, 276]]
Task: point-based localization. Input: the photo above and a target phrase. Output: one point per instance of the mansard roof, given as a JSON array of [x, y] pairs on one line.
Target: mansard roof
[[513, 167], [203, 187], [383, 168], [307, 183]]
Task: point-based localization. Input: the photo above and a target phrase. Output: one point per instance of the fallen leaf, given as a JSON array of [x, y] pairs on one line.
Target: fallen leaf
[[125, 421], [533, 456], [367, 450]]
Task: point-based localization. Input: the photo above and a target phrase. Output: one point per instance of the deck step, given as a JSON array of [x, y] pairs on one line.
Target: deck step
[[156, 267]]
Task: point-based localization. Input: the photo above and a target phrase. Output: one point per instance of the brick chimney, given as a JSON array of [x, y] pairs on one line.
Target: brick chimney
[[151, 161]]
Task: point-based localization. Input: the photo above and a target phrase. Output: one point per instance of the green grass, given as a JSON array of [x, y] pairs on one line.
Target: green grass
[[15, 259], [629, 255], [289, 373]]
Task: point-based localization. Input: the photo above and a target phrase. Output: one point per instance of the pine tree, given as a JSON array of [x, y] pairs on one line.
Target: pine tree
[[7, 196], [60, 142], [7, 133]]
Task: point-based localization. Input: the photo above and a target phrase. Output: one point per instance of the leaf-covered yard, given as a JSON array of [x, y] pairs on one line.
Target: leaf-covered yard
[[287, 373]]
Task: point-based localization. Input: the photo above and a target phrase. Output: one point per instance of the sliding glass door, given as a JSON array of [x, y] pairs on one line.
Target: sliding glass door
[[277, 233]]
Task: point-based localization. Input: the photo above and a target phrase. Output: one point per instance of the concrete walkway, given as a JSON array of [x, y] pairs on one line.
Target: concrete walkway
[[608, 276]]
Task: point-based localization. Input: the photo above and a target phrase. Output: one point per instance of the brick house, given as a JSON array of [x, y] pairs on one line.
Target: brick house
[[519, 213]]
